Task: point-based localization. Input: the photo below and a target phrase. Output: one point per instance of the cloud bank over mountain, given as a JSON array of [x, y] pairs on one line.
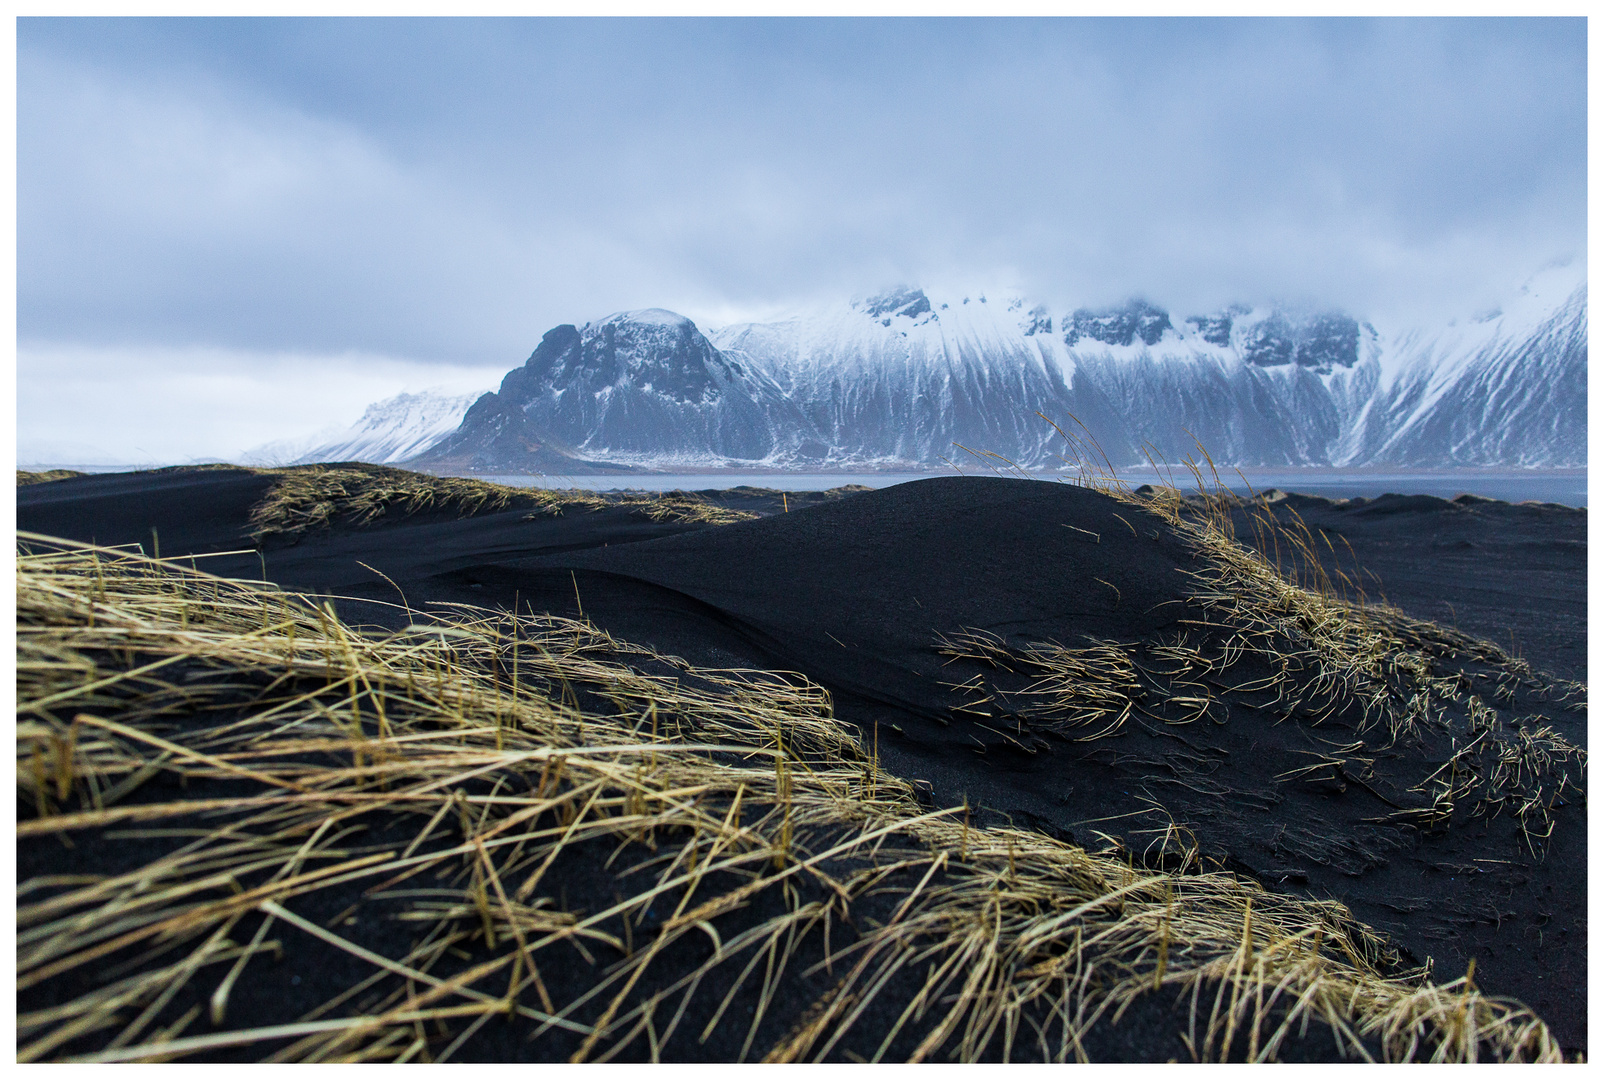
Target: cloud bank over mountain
[[445, 191]]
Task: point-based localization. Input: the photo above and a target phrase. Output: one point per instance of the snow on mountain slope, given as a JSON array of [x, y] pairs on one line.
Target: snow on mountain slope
[[903, 378], [390, 431], [909, 377], [1509, 388]]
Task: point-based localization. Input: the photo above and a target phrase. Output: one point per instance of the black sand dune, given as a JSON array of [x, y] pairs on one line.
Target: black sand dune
[[940, 613], [1511, 573]]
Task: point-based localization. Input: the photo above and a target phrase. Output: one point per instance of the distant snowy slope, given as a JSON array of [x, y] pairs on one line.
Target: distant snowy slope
[[390, 431], [1508, 388]]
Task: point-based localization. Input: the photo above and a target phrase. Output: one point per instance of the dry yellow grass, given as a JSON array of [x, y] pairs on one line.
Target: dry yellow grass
[[311, 497], [510, 745], [1334, 648], [25, 478]]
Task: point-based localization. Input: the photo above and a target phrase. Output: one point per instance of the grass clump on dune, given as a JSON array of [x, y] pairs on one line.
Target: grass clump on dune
[[311, 497], [1407, 677], [24, 477], [1333, 653], [514, 835]]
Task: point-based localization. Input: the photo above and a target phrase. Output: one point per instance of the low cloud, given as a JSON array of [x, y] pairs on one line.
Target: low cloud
[[143, 405]]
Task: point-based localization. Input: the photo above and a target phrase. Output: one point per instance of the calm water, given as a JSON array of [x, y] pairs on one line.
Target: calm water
[[1566, 486]]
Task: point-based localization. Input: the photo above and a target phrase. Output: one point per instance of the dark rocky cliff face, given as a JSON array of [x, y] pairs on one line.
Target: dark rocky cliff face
[[497, 437], [1321, 342], [1136, 321], [1214, 329], [654, 349], [645, 383], [908, 303]]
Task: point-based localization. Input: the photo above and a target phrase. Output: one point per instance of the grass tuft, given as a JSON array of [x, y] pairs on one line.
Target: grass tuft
[[311, 497], [25, 478]]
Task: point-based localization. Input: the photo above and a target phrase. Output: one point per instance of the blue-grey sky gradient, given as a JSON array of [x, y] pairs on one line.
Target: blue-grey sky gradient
[[446, 190]]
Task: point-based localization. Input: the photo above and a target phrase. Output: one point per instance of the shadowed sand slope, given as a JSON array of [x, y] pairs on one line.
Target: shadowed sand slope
[[864, 588], [1109, 673]]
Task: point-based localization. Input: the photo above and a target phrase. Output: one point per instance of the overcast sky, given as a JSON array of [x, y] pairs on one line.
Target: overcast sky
[[220, 212]]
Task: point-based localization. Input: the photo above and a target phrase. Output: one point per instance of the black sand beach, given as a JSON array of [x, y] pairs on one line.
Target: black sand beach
[[1056, 660]]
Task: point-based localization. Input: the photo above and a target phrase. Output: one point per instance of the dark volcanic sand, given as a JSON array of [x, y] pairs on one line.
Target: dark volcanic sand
[[1511, 573], [854, 591]]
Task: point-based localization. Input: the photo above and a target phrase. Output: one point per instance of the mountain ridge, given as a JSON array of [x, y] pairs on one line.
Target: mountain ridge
[[907, 377]]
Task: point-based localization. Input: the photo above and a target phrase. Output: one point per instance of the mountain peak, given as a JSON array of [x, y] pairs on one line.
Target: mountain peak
[[905, 302], [648, 317]]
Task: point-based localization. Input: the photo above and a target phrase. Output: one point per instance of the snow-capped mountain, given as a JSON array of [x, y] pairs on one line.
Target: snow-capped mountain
[[648, 385], [390, 431], [913, 377]]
